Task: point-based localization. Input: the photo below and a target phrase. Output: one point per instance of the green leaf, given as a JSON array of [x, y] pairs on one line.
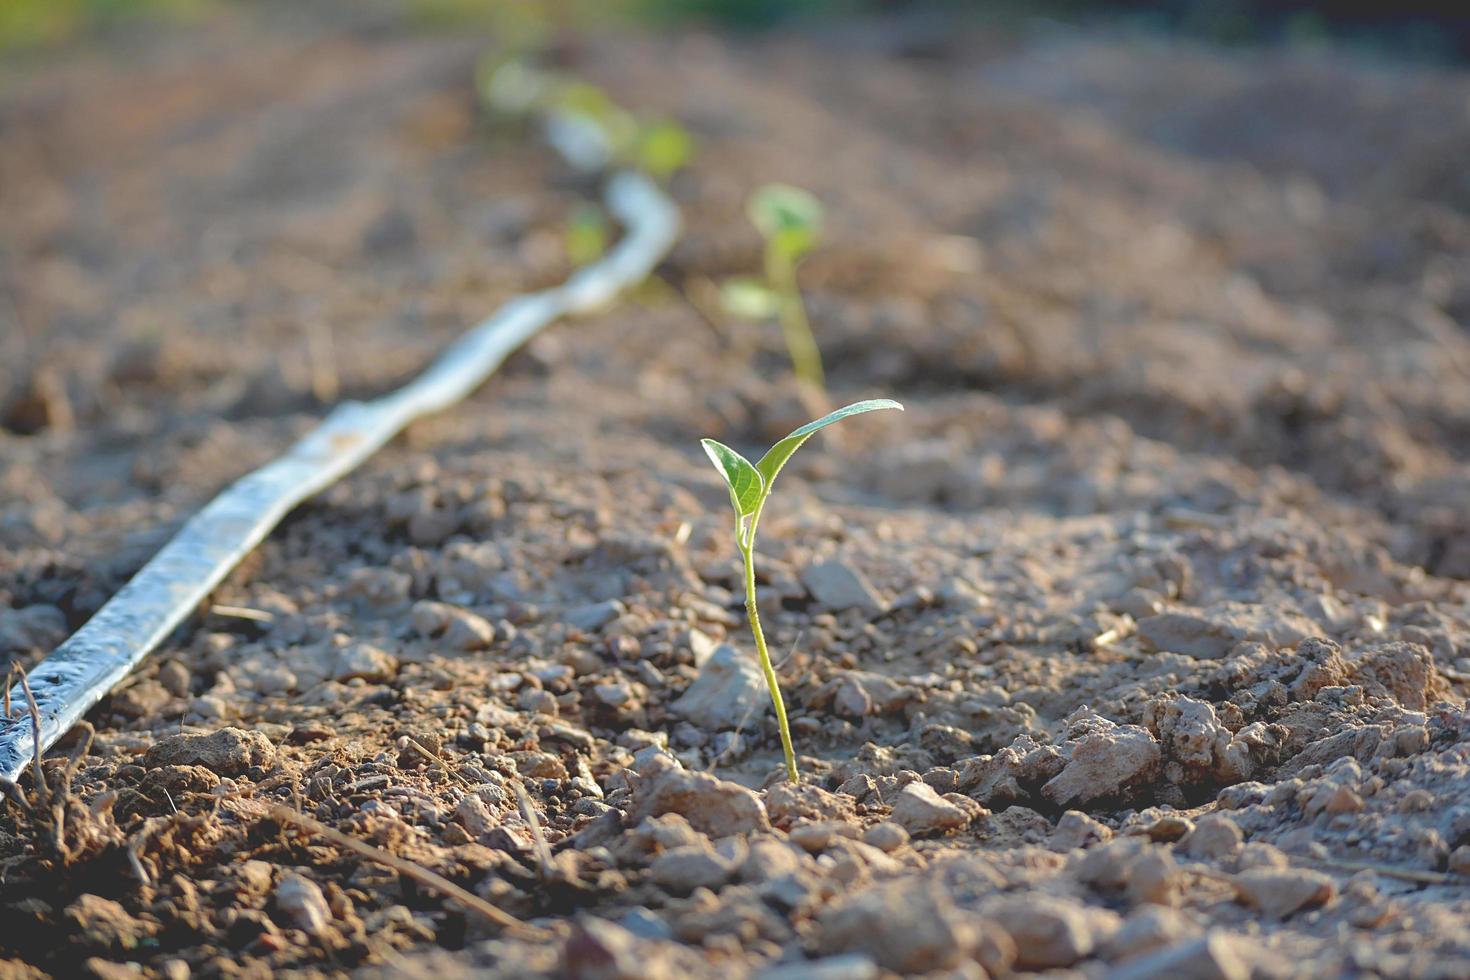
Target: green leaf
[[664, 148], [514, 86], [749, 299], [585, 99], [587, 235], [793, 243], [780, 208], [741, 476], [776, 458]]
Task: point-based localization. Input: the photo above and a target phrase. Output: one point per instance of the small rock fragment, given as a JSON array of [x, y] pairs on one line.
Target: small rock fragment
[[40, 401], [362, 660], [919, 810], [1155, 879], [993, 948], [615, 694], [728, 692], [474, 816], [1403, 671], [906, 928], [601, 950], [179, 780], [1212, 633], [768, 859], [848, 966], [175, 678], [255, 876], [1048, 932], [1342, 800], [1278, 892], [1169, 828], [1322, 666], [457, 628], [683, 869], [856, 694], [1077, 830], [103, 922], [836, 585], [1104, 761], [228, 752], [850, 700], [645, 924], [790, 803], [712, 806], [1151, 927], [301, 901], [1215, 836], [1259, 854], [1146, 871], [886, 836], [812, 837], [1216, 956], [594, 616], [1191, 634]]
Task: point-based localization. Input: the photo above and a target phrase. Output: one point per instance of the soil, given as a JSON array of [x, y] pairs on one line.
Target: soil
[[1138, 646]]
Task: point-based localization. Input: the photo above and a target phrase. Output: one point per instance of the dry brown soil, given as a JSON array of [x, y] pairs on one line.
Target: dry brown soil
[[1137, 647]]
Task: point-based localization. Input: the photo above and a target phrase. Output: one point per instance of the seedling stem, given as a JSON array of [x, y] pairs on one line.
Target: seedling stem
[[747, 554], [806, 358], [790, 221], [750, 487]]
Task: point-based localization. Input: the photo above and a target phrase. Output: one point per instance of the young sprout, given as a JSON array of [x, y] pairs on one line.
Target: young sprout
[[511, 83], [790, 220], [750, 487], [663, 148], [579, 98], [586, 234]]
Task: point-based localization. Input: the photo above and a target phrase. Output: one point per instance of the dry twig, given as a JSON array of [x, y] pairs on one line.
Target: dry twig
[[36, 747], [543, 851], [418, 873]]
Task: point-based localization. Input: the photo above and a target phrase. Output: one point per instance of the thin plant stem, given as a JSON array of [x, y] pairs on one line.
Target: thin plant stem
[[806, 357], [747, 552]]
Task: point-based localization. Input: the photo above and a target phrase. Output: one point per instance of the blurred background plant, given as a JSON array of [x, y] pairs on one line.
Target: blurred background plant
[[31, 23], [789, 220], [587, 234], [1419, 29]]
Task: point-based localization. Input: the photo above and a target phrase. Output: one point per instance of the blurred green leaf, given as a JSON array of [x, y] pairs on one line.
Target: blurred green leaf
[[587, 235], [664, 148], [513, 85], [779, 210], [791, 244], [25, 23], [749, 299]]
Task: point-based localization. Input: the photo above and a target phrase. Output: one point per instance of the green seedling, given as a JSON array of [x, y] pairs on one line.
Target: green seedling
[[586, 235], [750, 487], [790, 221], [579, 98], [663, 148], [659, 147], [512, 84]]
